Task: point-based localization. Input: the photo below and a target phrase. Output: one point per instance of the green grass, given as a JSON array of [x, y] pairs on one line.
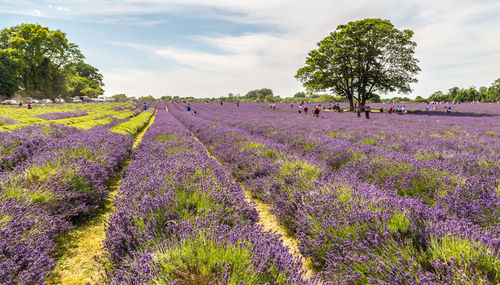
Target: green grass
[[400, 223], [251, 146], [201, 261], [467, 256], [306, 174], [370, 141]]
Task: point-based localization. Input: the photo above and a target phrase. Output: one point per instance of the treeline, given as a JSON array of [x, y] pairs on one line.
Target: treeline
[[484, 94], [257, 95], [471, 94], [38, 62]]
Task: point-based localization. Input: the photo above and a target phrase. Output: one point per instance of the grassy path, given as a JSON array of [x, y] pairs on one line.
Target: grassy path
[[77, 249], [270, 223]]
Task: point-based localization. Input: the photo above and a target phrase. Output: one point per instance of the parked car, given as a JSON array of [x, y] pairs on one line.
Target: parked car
[[11, 102], [46, 101], [75, 100], [85, 98], [35, 101], [59, 100]]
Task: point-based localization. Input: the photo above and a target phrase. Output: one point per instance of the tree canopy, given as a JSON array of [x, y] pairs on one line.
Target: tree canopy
[[360, 59], [48, 64], [9, 82]]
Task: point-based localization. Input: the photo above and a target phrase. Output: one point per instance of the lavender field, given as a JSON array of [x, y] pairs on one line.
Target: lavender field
[[249, 195]]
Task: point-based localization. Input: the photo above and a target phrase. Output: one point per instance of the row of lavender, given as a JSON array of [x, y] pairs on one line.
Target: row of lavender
[[180, 219], [449, 138], [460, 174], [52, 178], [353, 231]]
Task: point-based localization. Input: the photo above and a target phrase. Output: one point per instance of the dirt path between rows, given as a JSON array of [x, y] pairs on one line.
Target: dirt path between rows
[[78, 248]]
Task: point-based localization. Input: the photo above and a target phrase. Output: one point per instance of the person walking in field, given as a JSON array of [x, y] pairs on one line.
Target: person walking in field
[[300, 109], [188, 108], [367, 112], [316, 112], [305, 110], [145, 106]]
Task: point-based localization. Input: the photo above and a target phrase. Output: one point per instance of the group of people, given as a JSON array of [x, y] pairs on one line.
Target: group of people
[[399, 109], [316, 109], [28, 106], [364, 109]]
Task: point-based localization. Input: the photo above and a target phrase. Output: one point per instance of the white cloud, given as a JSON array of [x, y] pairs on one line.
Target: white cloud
[[58, 8], [457, 42], [37, 12]]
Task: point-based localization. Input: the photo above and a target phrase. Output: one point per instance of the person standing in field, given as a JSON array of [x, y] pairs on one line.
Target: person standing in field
[[300, 108], [29, 105], [145, 106], [188, 108], [305, 110], [367, 112]]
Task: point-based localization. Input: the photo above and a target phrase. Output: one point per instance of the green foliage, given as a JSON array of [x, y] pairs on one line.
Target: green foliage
[[304, 172], [466, 255], [419, 99], [120, 97], [300, 95], [471, 94], [81, 86], [364, 56], [251, 146], [147, 98], [134, 125], [370, 141], [87, 125], [201, 260], [9, 68], [400, 223], [260, 95], [42, 54]]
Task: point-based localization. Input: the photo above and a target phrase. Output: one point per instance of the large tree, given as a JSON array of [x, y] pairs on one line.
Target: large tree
[[84, 80], [360, 59], [259, 95], [42, 54], [9, 82]]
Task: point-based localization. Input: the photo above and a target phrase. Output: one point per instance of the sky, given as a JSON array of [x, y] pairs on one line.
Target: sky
[[209, 48]]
